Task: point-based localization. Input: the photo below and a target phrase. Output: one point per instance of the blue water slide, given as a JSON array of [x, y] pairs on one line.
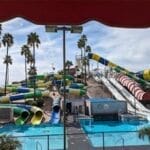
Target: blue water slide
[[55, 116], [23, 90]]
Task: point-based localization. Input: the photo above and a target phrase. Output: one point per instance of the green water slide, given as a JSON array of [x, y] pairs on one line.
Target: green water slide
[[22, 113]]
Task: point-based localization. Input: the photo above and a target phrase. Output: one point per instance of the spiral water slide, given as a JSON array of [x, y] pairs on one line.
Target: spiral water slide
[[19, 111], [17, 89], [76, 86], [39, 84], [37, 112], [122, 70], [72, 91]]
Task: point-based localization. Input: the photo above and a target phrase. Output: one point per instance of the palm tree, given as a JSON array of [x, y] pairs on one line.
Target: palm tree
[[30, 59], [9, 143], [33, 41], [144, 132], [68, 64], [25, 50], [8, 42], [32, 72], [7, 60], [80, 46], [88, 50]]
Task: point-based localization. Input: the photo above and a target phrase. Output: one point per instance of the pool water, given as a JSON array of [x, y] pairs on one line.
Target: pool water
[[36, 137], [114, 133]]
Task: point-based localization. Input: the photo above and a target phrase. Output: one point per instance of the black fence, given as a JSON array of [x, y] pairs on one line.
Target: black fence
[[82, 141]]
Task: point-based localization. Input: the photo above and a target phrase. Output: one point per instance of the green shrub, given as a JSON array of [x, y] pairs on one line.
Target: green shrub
[[9, 143], [144, 132]]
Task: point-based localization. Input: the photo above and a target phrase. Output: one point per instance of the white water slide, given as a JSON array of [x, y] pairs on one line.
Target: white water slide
[[120, 93]]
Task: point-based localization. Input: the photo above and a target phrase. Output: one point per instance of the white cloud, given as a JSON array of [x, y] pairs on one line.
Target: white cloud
[[128, 48]]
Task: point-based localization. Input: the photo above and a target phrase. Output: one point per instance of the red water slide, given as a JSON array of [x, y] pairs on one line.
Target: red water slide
[[134, 88]]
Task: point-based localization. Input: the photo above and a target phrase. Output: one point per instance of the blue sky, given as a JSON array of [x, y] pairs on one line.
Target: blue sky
[[129, 48]]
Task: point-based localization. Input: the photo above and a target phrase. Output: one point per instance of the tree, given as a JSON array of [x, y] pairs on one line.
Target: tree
[[80, 46], [33, 41], [88, 50], [32, 72], [61, 72], [25, 50], [7, 60], [144, 132], [30, 59], [9, 143], [68, 64], [7, 42]]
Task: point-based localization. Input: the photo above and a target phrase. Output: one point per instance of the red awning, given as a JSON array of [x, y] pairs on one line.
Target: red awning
[[121, 13]]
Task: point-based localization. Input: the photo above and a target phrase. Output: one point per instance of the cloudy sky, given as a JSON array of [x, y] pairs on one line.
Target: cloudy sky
[[129, 48]]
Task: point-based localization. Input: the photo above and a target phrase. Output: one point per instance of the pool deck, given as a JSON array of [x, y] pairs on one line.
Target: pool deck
[[77, 140]]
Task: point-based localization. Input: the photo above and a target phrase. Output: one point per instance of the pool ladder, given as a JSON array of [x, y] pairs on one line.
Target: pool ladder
[[38, 144], [122, 140]]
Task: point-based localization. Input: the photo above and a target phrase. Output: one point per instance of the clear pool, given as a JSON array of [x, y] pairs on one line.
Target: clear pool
[[112, 134], [37, 137]]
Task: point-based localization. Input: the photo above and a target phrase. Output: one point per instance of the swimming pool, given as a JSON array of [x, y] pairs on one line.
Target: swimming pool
[[37, 137], [114, 133]]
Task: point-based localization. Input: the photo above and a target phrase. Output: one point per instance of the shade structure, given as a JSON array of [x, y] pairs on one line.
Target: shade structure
[[119, 13]]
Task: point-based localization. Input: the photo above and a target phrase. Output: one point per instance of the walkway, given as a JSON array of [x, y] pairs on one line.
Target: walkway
[[77, 140]]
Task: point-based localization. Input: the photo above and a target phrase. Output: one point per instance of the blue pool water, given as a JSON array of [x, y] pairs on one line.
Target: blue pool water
[[114, 133], [35, 141]]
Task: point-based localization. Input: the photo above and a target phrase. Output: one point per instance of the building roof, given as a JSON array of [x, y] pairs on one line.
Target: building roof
[[97, 100]]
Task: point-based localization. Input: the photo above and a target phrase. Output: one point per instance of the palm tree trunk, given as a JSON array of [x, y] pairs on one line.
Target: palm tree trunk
[[25, 70], [34, 78], [81, 64], [6, 73], [34, 54], [68, 69], [89, 66], [6, 76], [84, 67], [85, 72]]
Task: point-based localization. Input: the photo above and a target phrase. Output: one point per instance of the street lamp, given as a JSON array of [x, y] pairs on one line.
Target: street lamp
[[72, 29], [134, 97]]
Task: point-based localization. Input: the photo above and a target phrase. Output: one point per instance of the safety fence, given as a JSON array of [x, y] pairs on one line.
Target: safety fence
[[85, 141]]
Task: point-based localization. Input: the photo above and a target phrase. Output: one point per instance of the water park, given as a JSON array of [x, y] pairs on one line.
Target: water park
[[69, 100]]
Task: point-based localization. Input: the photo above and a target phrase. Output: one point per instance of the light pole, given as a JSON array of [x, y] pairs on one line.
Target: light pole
[[134, 98], [72, 29]]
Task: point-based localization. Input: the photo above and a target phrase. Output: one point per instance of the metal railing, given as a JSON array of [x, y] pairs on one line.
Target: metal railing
[[37, 145], [82, 141]]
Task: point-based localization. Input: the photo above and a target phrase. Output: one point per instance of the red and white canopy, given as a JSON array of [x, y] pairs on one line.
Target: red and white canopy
[[119, 13]]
